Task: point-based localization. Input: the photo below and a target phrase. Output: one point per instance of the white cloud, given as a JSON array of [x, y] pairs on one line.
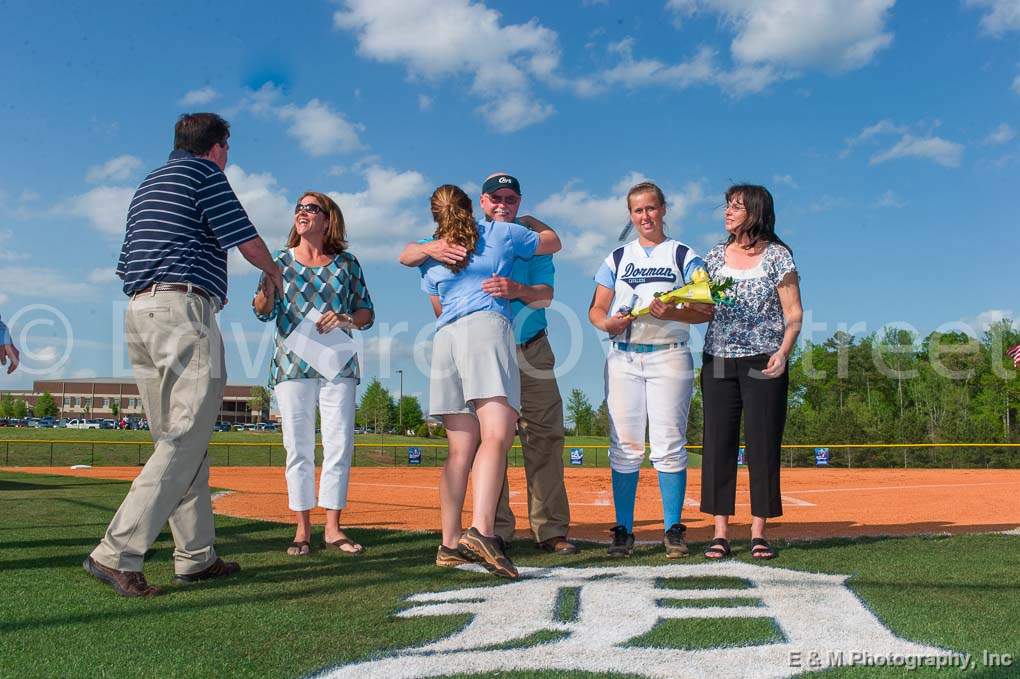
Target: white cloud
[[784, 180], [1000, 135], [41, 282], [591, 223], [424, 102], [890, 199], [880, 128], [1016, 84], [104, 276], [936, 149], [986, 319], [910, 144], [84, 373], [105, 207], [830, 35], [263, 100], [317, 127], [320, 130], [267, 204], [390, 211], [1000, 16], [435, 38], [4, 298], [200, 96], [7, 242], [28, 196], [115, 169]]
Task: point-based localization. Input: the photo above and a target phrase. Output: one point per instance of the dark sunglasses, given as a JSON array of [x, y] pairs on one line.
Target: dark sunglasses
[[310, 208]]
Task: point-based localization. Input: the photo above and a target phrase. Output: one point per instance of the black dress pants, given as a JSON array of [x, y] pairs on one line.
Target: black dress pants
[[731, 387]]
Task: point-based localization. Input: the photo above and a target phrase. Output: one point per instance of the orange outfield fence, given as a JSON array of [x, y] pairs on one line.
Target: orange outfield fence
[[817, 502]]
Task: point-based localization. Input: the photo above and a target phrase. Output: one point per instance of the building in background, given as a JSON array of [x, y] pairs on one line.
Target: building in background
[[94, 398]]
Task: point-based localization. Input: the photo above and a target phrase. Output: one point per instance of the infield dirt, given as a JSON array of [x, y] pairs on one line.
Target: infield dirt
[[817, 503]]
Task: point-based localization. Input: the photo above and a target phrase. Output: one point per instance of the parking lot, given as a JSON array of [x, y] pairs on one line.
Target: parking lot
[[124, 424]]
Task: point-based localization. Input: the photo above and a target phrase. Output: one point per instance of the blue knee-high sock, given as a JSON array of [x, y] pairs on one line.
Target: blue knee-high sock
[[672, 487], [624, 494]]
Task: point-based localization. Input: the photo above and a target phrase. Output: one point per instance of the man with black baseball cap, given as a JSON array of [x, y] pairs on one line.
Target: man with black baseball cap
[[530, 290]]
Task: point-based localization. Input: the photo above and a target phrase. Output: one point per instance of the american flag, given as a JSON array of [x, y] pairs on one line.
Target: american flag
[[1014, 353]]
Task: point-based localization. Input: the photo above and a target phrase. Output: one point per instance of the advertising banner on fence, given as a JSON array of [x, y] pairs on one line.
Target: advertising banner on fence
[[414, 456], [821, 457], [577, 456]]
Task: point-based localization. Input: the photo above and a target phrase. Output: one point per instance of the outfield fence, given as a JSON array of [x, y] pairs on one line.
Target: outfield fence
[[43, 452]]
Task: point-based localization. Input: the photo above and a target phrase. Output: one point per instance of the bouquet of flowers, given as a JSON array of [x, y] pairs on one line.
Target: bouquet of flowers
[[701, 289]]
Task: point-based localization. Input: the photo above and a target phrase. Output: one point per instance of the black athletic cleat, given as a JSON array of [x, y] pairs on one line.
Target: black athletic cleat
[[623, 542], [676, 546]]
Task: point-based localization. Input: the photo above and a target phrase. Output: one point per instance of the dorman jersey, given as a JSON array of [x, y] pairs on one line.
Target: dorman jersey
[[636, 275]]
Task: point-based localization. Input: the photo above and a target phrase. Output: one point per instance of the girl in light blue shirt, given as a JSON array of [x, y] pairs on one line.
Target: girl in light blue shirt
[[474, 382]]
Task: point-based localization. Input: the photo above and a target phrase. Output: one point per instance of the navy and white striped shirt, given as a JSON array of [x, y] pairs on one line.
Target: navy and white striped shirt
[[182, 220]]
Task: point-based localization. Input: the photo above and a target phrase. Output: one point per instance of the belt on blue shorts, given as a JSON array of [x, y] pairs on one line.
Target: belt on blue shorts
[[646, 348]]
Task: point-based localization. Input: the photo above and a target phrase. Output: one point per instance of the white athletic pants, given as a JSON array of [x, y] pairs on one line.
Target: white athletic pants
[[297, 400], [654, 387]]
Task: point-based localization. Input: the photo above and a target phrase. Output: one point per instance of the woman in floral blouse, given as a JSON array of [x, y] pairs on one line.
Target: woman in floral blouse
[[744, 367], [318, 273]]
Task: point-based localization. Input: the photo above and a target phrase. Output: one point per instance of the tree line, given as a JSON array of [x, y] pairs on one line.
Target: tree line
[[892, 387]]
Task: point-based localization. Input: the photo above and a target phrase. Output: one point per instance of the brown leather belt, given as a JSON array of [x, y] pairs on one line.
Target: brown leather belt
[[527, 343], [175, 287]]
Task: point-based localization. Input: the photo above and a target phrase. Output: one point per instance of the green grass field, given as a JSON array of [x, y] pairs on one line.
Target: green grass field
[[287, 617], [23, 447]]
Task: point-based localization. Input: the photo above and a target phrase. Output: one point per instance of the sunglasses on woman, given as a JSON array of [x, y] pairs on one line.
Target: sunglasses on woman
[[309, 208]]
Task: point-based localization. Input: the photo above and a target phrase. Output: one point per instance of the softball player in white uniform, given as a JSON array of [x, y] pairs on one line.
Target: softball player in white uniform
[[649, 370]]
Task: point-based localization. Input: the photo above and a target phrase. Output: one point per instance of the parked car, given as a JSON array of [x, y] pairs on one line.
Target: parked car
[[44, 422], [238, 427], [221, 426], [108, 424], [78, 423], [265, 426], [61, 423], [251, 427]]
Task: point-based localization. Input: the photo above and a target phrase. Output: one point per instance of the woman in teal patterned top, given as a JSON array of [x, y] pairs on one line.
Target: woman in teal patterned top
[[318, 273]]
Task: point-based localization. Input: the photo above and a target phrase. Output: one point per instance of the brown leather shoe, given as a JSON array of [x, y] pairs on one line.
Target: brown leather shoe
[[124, 583], [218, 569], [558, 545]]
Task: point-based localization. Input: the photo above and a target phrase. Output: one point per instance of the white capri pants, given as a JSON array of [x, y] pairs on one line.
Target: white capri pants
[[336, 400], [654, 387]]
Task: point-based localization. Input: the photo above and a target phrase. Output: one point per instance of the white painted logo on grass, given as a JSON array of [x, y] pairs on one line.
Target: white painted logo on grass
[[821, 621]]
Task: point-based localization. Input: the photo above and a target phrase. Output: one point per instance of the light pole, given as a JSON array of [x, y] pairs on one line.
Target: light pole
[[400, 403]]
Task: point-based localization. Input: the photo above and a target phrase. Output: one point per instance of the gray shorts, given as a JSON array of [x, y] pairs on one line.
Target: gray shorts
[[472, 358]]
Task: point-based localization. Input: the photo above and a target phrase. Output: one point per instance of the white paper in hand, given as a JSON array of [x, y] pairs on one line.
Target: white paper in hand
[[327, 353]]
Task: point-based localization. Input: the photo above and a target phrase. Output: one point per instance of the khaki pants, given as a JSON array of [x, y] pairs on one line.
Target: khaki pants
[[177, 354], [541, 431]]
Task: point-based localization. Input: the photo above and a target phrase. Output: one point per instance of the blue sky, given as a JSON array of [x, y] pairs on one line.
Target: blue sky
[[886, 131]]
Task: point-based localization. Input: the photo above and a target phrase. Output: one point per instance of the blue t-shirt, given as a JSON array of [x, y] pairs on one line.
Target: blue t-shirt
[[5, 337], [529, 321], [461, 293]]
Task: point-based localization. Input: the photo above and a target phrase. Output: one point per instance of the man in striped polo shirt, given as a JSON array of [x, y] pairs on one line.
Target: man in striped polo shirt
[[182, 221]]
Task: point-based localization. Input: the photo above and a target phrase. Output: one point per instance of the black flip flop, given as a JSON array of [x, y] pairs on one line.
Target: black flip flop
[[718, 549], [300, 546]]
